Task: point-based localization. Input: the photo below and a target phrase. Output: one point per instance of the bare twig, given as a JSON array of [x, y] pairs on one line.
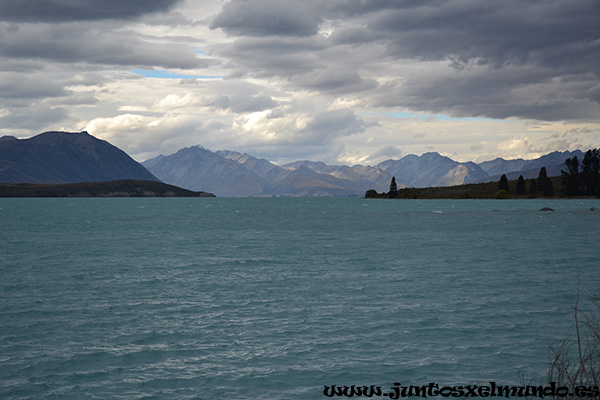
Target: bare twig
[[585, 370]]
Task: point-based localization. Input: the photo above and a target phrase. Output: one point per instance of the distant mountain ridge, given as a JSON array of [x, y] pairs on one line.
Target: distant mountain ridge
[[229, 173], [432, 169], [554, 163], [65, 157], [363, 175]]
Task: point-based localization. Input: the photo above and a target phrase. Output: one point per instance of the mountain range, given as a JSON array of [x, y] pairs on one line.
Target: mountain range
[[553, 162], [63, 157], [229, 173]]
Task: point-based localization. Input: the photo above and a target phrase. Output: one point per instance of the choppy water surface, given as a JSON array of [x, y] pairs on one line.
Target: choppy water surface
[[276, 298]]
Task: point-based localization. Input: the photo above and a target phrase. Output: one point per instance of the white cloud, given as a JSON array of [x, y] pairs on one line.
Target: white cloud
[[174, 101]]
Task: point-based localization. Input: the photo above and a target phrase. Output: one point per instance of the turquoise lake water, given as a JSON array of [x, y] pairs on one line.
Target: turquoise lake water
[[244, 298]]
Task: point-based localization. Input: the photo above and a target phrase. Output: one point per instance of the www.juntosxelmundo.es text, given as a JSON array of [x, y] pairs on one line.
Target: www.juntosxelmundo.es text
[[433, 389]]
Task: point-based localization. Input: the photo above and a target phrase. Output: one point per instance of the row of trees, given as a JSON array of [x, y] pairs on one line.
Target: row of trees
[[578, 179], [542, 184], [582, 179]]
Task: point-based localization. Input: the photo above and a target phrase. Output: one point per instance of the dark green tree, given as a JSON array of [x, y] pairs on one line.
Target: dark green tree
[[371, 194], [393, 188], [582, 179], [502, 194], [590, 167], [548, 188], [520, 185], [533, 187], [542, 179], [571, 177], [503, 183]]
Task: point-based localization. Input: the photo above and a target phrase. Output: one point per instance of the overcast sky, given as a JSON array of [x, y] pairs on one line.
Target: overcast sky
[[341, 81]]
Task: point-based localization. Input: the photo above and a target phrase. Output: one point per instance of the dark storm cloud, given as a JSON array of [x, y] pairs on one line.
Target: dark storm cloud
[[268, 18], [35, 86], [517, 91], [79, 10], [80, 42], [336, 81], [491, 32], [273, 56], [303, 62], [526, 59]]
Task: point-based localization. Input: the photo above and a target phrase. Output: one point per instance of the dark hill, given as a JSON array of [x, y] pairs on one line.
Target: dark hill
[[124, 188], [62, 157]]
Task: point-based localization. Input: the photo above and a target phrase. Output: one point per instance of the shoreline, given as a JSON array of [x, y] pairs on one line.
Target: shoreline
[[487, 190], [119, 188]]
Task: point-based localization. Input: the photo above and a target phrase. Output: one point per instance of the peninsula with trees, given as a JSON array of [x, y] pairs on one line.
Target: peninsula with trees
[[578, 179]]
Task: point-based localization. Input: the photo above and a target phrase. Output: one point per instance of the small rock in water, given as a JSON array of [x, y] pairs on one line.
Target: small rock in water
[[546, 209]]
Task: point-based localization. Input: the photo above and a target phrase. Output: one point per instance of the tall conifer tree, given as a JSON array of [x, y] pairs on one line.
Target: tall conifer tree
[[548, 188], [503, 184], [542, 179], [521, 185], [393, 188], [533, 187]]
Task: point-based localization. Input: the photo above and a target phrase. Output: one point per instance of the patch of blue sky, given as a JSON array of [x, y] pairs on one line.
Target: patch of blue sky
[[162, 74]]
